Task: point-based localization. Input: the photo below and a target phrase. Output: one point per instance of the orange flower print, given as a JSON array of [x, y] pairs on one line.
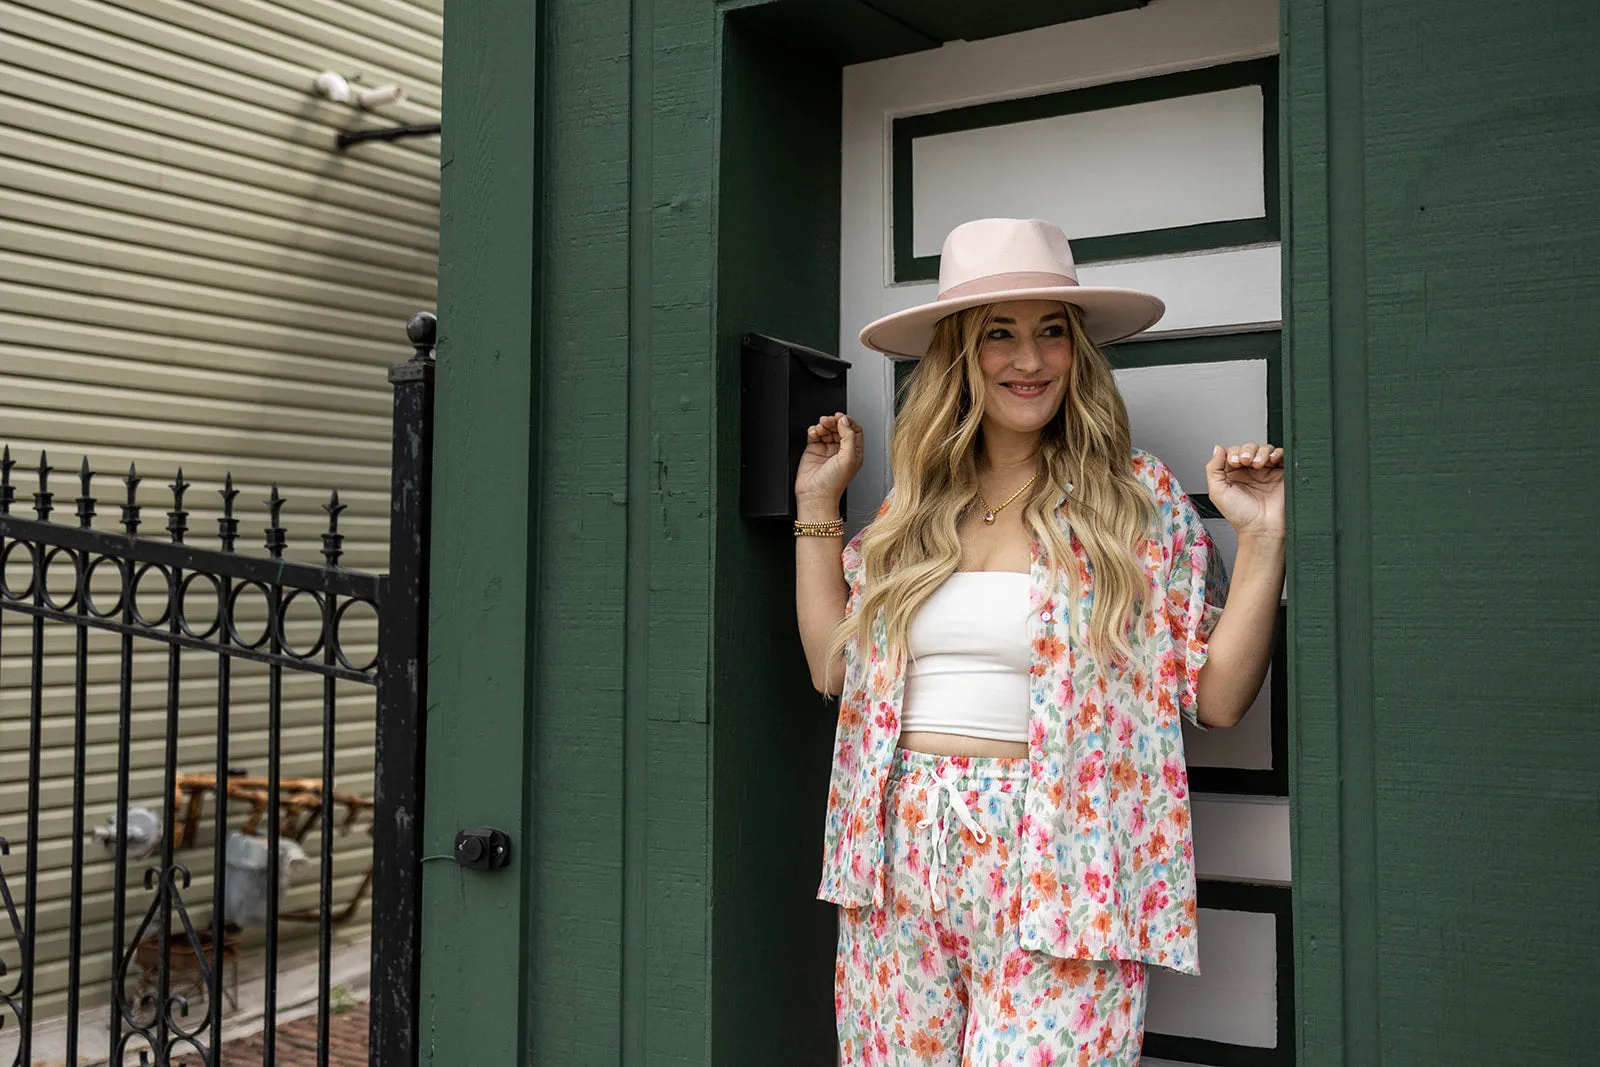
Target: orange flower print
[[1071, 972], [1123, 773], [1049, 648], [926, 1044], [1056, 792], [1158, 847]]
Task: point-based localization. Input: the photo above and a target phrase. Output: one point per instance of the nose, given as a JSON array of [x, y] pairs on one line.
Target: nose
[[1028, 358]]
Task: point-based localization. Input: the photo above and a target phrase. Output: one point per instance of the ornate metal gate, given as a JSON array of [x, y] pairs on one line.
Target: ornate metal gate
[[210, 610]]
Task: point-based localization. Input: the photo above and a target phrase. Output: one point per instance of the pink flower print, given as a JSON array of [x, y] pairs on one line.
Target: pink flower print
[[1043, 1056], [1091, 770], [997, 883], [885, 719], [1060, 935], [951, 942], [1125, 731], [1155, 898], [1083, 1018], [1177, 779], [1097, 884]]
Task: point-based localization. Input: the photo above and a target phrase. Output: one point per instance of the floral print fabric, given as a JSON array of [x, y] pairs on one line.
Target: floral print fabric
[[937, 975], [1107, 857]]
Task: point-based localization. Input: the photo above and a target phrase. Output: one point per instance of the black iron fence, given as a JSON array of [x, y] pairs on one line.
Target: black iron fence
[[209, 610]]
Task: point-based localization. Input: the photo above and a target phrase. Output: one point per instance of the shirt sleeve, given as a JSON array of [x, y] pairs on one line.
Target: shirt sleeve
[[852, 573], [1197, 590], [853, 564]]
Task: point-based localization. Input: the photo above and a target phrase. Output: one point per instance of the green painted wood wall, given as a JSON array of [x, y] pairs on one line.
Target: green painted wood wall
[[1443, 254], [607, 632]]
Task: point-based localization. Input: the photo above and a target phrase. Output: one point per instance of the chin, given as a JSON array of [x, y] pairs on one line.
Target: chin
[[1029, 417]]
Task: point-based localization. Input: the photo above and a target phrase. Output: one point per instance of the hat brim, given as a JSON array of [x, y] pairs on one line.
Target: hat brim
[[1108, 315]]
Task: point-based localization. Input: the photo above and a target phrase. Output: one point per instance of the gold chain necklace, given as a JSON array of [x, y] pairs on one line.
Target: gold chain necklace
[[990, 514]]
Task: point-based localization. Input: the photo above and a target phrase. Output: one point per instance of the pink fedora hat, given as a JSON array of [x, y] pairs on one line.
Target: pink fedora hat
[[990, 260]]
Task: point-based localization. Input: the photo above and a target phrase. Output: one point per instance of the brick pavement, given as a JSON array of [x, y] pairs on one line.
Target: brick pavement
[[297, 1043]]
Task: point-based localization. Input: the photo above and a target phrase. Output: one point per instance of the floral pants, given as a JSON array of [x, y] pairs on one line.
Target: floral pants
[[935, 975]]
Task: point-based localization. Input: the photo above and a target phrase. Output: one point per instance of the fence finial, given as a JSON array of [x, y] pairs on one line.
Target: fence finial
[[333, 540], [177, 518], [86, 501], [227, 525], [130, 510], [8, 492], [423, 332], [42, 505], [277, 536]]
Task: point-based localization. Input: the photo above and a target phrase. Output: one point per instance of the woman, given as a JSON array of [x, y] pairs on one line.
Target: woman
[[1014, 639]]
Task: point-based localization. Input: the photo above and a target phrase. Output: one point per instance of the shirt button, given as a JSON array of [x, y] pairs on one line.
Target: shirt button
[[1038, 755], [1047, 616]]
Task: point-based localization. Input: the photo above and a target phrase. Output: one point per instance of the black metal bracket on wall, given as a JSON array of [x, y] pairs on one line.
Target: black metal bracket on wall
[[390, 133]]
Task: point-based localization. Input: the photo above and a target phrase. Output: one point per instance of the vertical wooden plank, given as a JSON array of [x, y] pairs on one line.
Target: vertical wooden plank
[[669, 694], [1480, 143], [576, 891], [1435, 418], [778, 235], [475, 957]]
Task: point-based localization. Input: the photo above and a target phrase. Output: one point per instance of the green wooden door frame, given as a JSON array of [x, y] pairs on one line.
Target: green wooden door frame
[[488, 445]]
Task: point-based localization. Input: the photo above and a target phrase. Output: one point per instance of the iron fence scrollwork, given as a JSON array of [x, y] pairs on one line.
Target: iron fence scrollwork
[[209, 609]]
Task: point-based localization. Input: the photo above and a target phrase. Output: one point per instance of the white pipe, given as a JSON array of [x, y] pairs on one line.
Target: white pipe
[[333, 86], [379, 96]]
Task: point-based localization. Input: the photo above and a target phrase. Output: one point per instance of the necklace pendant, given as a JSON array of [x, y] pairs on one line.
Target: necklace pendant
[[988, 518]]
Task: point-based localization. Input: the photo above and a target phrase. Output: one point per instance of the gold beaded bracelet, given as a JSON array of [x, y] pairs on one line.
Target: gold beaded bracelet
[[831, 528]]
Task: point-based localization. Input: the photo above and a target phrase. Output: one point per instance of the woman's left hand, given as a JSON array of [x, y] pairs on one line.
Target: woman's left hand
[[1246, 485]]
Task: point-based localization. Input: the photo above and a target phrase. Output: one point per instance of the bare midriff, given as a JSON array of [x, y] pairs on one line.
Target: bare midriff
[[939, 744]]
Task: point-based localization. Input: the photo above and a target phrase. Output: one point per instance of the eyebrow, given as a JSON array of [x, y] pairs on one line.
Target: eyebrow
[[1054, 316]]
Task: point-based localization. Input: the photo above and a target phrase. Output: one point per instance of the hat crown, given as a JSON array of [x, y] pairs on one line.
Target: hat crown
[[1002, 249]]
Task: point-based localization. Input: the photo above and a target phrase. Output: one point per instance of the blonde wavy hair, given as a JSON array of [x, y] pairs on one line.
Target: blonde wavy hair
[[913, 547]]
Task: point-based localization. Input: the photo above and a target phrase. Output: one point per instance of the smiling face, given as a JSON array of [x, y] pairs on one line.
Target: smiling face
[[1025, 357]]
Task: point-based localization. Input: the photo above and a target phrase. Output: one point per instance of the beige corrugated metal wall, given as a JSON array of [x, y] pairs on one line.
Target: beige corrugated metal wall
[[191, 275]]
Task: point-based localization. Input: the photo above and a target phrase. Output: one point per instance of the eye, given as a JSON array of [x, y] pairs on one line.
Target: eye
[[1055, 331], [999, 333]]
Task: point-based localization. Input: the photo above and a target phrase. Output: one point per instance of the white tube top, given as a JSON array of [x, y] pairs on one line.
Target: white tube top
[[970, 658]]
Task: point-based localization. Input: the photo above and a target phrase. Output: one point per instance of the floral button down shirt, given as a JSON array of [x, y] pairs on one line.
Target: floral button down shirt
[[1108, 857]]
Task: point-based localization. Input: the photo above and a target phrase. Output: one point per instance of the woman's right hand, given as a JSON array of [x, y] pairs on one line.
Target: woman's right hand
[[831, 460]]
